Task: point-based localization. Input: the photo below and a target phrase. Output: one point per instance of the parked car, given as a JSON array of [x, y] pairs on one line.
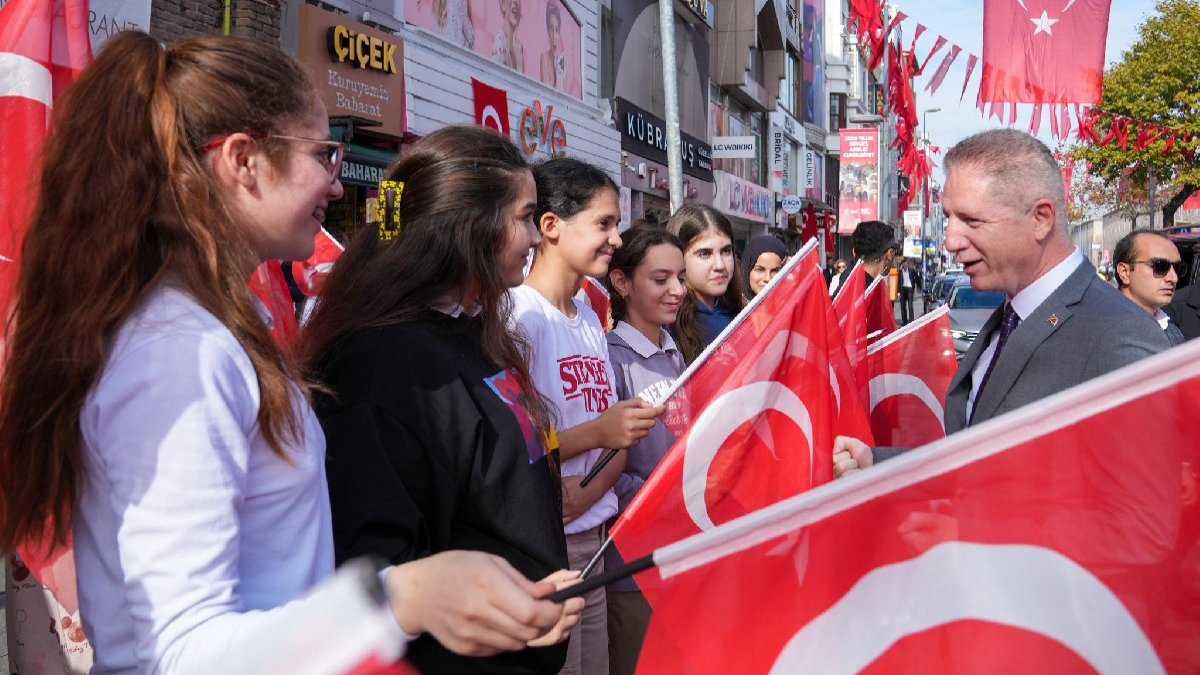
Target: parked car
[[942, 284], [969, 310]]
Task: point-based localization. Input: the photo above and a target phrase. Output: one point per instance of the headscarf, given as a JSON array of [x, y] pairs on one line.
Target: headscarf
[[763, 243]]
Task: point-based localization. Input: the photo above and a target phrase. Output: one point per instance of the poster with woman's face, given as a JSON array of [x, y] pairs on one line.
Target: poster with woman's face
[[538, 38]]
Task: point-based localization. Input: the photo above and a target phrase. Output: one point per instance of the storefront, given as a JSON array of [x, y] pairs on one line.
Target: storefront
[[750, 207], [359, 72], [544, 104], [644, 159]]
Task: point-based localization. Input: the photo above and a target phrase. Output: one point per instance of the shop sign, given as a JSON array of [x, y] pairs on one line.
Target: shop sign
[[358, 70], [781, 160], [810, 169], [789, 125], [356, 173], [792, 204], [741, 198], [361, 50], [734, 147], [645, 135], [538, 129]]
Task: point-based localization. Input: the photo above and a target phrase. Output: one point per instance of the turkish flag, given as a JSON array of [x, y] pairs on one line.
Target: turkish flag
[[596, 296], [1042, 52], [491, 107], [44, 45], [1053, 539], [310, 274], [910, 373], [851, 309], [269, 285], [880, 315], [755, 421]]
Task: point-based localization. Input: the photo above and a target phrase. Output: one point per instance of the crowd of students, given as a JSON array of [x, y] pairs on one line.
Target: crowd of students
[[440, 412]]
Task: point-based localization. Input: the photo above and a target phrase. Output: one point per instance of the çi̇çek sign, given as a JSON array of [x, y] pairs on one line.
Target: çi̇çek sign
[[361, 50]]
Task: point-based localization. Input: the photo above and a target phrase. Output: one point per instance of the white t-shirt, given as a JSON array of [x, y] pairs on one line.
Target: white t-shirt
[[191, 536], [570, 367]]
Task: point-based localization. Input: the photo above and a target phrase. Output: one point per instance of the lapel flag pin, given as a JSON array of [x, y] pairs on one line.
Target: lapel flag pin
[[1053, 320]]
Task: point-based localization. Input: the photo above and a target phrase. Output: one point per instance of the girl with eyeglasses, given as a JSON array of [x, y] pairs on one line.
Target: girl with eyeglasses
[[147, 413]]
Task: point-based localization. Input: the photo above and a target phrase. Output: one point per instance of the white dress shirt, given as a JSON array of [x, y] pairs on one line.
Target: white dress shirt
[[1024, 304]]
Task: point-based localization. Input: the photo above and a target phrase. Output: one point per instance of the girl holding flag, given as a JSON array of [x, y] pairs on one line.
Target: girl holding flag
[[647, 283], [437, 438], [147, 411]]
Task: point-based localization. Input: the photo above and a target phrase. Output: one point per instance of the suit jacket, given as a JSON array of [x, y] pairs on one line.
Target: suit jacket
[[1085, 329], [1184, 311]]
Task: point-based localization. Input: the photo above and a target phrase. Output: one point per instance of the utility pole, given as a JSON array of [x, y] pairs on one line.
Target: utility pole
[[1152, 188], [666, 29]]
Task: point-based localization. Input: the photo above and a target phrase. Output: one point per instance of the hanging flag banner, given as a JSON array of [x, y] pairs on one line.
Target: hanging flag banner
[[1043, 52], [859, 178]]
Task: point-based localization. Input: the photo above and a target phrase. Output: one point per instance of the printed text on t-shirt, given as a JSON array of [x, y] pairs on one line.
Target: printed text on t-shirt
[[586, 376]]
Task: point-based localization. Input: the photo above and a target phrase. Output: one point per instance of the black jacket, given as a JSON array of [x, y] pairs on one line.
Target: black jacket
[[430, 450], [1184, 311]]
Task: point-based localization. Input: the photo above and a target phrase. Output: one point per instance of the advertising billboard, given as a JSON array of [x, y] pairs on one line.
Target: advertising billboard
[[859, 178], [539, 38]]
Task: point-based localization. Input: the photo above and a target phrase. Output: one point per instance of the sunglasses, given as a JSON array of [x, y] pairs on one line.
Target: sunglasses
[[331, 159], [1160, 267]]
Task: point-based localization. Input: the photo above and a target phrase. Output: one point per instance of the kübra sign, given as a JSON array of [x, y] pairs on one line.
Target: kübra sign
[[358, 70], [645, 135]]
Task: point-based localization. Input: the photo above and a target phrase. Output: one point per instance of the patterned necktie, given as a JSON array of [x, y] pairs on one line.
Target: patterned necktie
[[1007, 325]]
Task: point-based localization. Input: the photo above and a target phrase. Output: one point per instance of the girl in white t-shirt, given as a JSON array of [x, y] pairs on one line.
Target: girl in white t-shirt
[[147, 412], [577, 215]]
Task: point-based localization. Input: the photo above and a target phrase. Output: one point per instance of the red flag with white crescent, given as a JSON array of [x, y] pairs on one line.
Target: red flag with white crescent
[[910, 373], [310, 274], [44, 45], [879, 312], [1044, 51], [1053, 539], [755, 421], [851, 310]]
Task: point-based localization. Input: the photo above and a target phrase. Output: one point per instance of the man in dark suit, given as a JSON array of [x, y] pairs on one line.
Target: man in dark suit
[[1059, 326], [1184, 311]]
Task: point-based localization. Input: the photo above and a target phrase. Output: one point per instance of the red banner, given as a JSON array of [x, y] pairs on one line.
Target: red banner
[[859, 178], [1042, 52]]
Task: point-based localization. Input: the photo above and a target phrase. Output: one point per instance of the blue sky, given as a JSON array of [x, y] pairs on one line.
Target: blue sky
[[961, 22]]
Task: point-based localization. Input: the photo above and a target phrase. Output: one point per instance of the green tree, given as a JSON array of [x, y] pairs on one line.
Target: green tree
[[1157, 81]]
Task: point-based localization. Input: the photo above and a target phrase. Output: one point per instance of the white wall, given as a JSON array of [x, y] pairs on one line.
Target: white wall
[[438, 76]]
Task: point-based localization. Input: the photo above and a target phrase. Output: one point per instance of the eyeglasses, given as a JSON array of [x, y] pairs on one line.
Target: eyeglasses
[[331, 159], [1160, 267]]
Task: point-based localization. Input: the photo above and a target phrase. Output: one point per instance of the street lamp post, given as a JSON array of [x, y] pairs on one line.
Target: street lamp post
[[925, 219]]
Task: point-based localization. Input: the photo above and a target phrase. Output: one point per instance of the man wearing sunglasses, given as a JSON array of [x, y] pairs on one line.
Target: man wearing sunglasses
[[1148, 268]]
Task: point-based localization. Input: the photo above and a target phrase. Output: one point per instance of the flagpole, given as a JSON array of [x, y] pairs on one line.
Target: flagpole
[[912, 327]]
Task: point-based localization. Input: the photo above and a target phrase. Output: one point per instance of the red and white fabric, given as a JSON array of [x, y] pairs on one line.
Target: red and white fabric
[[910, 373], [756, 420], [1053, 539]]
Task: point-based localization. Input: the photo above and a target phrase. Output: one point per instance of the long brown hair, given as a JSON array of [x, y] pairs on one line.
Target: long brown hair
[[125, 201], [459, 185], [688, 223], [636, 242]]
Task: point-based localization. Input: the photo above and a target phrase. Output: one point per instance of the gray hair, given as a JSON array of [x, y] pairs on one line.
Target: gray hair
[[1019, 168]]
